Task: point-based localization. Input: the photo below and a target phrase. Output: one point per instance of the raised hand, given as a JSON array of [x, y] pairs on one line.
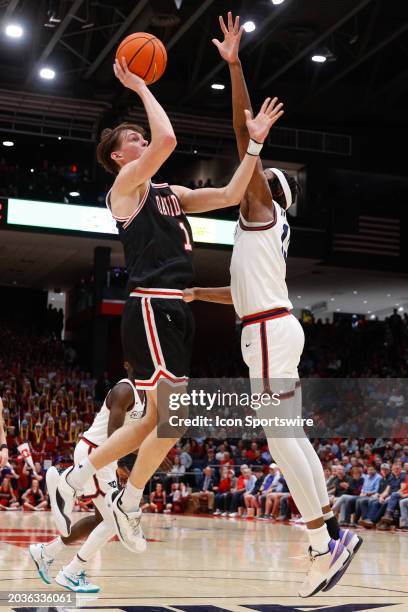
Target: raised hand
[[259, 126], [232, 37], [127, 78]]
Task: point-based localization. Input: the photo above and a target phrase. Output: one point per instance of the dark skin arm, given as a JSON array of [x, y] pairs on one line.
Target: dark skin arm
[[218, 295], [257, 202]]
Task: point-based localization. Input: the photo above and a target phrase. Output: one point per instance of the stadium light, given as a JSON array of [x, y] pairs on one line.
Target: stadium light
[[47, 73], [8, 143], [13, 30], [249, 26], [217, 86], [74, 194], [319, 59], [276, 2]]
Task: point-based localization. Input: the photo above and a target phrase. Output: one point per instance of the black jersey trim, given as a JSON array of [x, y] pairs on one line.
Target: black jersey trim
[[138, 208]]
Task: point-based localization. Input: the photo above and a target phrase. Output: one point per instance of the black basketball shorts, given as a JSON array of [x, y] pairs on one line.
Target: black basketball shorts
[[157, 336]]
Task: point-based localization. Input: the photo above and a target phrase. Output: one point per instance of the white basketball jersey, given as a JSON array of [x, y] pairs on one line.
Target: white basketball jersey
[[258, 265], [98, 431]]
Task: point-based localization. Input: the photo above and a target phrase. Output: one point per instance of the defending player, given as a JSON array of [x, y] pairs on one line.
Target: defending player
[[122, 406], [157, 325], [272, 339]]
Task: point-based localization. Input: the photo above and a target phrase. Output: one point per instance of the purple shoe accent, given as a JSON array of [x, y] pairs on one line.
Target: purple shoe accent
[[336, 548], [345, 536], [334, 580]]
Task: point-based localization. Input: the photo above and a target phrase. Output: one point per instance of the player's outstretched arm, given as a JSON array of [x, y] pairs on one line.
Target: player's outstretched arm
[[163, 140], [202, 200], [218, 295], [3, 445], [258, 188]]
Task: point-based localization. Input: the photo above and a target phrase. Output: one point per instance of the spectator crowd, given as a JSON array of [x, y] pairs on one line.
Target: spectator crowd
[[49, 402]]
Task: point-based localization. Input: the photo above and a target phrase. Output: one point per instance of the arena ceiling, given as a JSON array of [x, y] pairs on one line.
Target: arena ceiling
[[363, 81]]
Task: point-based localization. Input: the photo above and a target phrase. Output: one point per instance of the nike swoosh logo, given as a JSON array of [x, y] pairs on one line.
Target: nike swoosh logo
[[247, 344]]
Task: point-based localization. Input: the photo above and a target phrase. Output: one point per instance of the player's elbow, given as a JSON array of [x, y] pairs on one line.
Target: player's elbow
[[168, 142], [228, 197]]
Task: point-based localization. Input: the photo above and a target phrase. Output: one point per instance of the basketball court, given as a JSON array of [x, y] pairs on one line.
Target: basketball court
[[193, 563]]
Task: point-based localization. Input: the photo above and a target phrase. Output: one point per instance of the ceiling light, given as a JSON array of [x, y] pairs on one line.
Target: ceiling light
[[14, 31], [31, 170], [372, 317], [299, 297], [368, 311], [332, 299], [388, 294], [217, 86], [59, 137], [337, 309], [397, 304], [319, 59], [8, 143], [401, 309], [276, 2], [47, 73], [74, 194], [195, 151], [249, 26], [355, 292], [365, 302]]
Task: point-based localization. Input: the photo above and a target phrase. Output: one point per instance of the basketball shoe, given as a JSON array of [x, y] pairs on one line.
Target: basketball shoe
[[127, 524], [76, 582], [37, 553], [62, 498], [325, 568]]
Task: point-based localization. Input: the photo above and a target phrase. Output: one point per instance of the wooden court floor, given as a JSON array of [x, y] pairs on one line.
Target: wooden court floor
[[199, 564]]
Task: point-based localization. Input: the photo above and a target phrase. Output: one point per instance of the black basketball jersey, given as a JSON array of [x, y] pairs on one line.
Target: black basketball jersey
[[157, 240]]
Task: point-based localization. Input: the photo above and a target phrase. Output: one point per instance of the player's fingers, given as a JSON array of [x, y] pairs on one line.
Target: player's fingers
[[271, 104], [216, 43], [241, 29], [275, 110], [264, 105], [124, 64], [230, 23], [236, 25], [276, 117], [222, 24]]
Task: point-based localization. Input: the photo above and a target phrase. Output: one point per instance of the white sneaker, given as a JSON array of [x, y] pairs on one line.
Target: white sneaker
[[127, 524], [224, 514], [62, 498], [37, 553], [326, 569], [233, 514], [76, 582], [217, 513]]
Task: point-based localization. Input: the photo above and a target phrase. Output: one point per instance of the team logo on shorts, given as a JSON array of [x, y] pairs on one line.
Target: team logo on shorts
[[113, 484]]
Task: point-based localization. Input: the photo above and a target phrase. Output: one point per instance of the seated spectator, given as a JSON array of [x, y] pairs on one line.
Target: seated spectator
[[157, 499], [33, 498], [177, 471], [377, 503], [370, 487], [205, 493], [344, 505], [271, 483], [178, 498], [251, 498], [236, 495], [398, 489], [339, 485], [8, 497], [273, 499], [222, 490]]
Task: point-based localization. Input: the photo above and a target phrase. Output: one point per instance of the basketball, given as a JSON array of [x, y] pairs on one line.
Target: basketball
[[145, 56]]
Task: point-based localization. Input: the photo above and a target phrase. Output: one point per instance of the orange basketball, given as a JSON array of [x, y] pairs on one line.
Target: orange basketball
[[145, 55]]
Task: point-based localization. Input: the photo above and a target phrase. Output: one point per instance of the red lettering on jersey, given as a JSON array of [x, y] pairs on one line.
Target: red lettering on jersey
[[168, 205]]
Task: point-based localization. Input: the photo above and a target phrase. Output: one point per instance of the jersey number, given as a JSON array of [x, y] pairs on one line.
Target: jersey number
[[187, 245], [285, 240]]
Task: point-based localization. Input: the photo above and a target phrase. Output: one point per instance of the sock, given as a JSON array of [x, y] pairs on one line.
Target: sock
[[131, 498], [332, 525], [77, 565], [80, 474], [53, 548], [319, 539], [96, 540]]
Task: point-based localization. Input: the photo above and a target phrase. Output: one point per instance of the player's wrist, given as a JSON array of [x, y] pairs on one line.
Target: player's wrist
[[254, 147]]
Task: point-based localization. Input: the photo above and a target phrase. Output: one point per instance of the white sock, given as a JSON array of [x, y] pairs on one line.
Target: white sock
[[131, 498], [53, 548], [80, 474], [96, 540], [77, 565], [319, 539], [328, 515]]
